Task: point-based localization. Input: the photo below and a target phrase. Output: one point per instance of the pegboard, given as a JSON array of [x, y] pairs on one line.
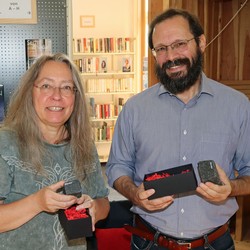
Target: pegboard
[[51, 24]]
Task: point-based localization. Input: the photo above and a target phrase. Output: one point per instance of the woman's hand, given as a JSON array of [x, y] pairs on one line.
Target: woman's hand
[[48, 200], [85, 201]]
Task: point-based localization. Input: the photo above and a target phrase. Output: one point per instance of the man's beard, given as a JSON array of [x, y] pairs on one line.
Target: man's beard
[[176, 83]]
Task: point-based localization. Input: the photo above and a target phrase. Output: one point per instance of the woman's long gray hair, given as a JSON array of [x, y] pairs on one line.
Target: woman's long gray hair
[[21, 118]]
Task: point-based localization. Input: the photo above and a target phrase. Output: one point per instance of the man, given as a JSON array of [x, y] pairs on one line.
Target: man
[[185, 118]]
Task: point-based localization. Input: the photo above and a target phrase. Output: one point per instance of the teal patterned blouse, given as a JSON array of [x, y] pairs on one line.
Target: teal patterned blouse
[[18, 180]]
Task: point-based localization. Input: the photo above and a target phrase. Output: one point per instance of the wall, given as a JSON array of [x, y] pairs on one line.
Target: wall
[[111, 18], [51, 25]]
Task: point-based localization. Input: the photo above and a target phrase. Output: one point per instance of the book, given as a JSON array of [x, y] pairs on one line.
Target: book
[[119, 45], [121, 102], [80, 65], [1, 102], [78, 45], [103, 64], [103, 45], [35, 48], [127, 44], [92, 107]]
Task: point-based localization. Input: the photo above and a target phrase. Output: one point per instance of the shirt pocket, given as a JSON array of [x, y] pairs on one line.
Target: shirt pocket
[[217, 147]]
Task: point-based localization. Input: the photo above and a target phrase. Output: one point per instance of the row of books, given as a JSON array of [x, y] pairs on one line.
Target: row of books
[[103, 133], [103, 45], [100, 64], [105, 110], [108, 85]]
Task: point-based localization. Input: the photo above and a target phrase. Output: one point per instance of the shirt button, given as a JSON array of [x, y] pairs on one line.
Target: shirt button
[[182, 211], [184, 158], [182, 234], [185, 132]]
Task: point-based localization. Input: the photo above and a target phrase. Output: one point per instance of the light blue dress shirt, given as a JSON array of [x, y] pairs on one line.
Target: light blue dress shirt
[[157, 131]]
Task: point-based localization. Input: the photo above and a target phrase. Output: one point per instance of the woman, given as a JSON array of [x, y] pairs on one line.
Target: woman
[[46, 140]]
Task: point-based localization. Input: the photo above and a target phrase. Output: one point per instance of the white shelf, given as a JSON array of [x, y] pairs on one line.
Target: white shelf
[[103, 119], [116, 85], [103, 142], [100, 74], [111, 93], [84, 54], [103, 158]]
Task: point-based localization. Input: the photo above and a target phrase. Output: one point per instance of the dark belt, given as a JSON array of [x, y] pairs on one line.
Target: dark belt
[[143, 231]]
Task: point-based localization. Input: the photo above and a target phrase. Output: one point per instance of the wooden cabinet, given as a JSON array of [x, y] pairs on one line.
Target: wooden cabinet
[[226, 27]]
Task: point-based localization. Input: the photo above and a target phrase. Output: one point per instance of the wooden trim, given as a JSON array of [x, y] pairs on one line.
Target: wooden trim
[[236, 82], [143, 35], [154, 9], [239, 219], [240, 85]]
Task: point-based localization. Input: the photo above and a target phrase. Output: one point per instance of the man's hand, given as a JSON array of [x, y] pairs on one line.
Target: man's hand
[[138, 196], [216, 193], [141, 199]]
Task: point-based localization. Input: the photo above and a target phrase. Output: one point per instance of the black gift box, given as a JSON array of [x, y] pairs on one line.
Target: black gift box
[[76, 228], [172, 181], [73, 188]]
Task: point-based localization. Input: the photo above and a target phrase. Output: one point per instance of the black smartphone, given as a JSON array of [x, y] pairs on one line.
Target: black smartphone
[[208, 172]]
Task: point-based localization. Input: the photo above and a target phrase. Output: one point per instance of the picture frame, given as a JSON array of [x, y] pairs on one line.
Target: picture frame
[[87, 21], [126, 64], [18, 12]]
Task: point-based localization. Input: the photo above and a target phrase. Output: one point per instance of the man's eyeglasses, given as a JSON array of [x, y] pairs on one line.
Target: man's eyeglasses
[[178, 46], [48, 89]]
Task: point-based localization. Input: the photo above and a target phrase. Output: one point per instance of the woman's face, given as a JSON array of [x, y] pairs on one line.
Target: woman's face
[[53, 94]]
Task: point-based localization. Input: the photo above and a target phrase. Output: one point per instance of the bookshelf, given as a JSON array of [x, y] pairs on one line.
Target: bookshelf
[[107, 57]]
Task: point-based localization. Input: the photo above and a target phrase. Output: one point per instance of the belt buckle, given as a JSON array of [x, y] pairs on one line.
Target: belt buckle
[[181, 243]]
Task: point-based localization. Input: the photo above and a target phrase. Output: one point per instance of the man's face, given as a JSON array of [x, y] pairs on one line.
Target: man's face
[[179, 65], [180, 81]]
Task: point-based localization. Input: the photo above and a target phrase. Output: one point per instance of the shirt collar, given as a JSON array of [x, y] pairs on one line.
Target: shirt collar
[[205, 86]]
